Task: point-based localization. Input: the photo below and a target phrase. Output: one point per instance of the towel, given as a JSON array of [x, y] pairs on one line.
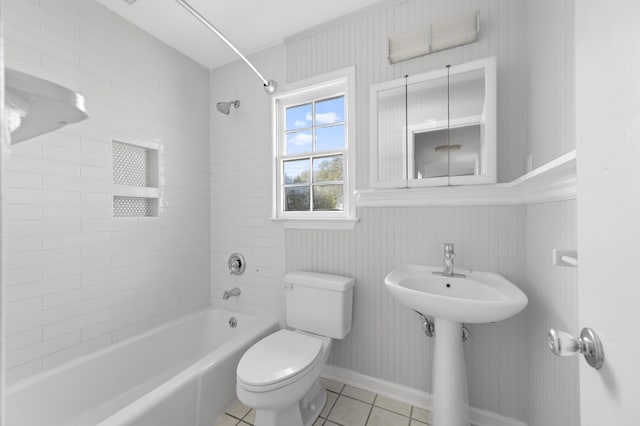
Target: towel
[[409, 45], [454, 32]]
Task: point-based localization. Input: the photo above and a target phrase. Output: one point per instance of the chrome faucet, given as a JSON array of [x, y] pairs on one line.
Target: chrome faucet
[[449, 255], [233, 292]]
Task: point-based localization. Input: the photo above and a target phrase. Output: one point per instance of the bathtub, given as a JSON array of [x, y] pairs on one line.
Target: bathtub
[[182, 373]]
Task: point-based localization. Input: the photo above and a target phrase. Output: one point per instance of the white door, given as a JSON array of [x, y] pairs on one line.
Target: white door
[[608, 146]]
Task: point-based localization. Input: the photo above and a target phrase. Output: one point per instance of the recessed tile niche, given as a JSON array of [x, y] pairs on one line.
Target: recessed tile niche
[[136, 191]]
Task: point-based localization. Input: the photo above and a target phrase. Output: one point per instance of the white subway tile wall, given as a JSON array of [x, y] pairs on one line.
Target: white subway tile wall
[[77, 279], [241, 185]]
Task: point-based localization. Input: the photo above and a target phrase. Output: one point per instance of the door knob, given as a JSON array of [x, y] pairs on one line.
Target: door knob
[[588, 344]]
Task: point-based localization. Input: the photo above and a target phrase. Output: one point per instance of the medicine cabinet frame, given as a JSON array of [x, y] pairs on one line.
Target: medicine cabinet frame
[[486, 120]]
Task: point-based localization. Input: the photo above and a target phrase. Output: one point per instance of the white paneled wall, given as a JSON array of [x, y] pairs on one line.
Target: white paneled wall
[[553, 303], [551, 68], [386, 340], [361, 40], [241, 185], [76, 279], [507, 363]]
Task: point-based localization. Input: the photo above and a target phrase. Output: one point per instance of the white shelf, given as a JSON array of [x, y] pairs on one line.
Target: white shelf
[[135, 191], [454, 123], [553, 181]]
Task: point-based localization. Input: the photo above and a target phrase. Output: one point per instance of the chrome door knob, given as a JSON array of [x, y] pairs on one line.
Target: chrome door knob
[[588, 344]]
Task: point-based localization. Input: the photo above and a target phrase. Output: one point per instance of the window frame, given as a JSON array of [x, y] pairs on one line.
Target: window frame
[[323, 87]]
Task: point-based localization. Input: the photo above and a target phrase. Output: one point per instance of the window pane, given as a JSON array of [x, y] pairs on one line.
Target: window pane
[[328, 197], [296, 171], [327, 169], [298, 117], [330, 111], [330, 138], [299, 143], [296, 198]]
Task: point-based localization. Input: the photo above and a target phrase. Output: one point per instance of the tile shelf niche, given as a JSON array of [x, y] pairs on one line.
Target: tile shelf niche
[[136, 179], [553, 181]]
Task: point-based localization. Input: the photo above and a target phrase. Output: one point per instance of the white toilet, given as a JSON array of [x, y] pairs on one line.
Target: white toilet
[[280, 375]]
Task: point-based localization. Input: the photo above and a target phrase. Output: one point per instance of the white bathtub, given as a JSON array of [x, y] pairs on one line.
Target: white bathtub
[[182, 373]]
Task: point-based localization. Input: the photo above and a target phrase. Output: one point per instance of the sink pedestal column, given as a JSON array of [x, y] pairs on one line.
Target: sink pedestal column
[[450, 404]]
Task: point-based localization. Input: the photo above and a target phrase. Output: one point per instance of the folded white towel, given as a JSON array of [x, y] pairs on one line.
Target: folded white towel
[[454, 32], [409, 45]]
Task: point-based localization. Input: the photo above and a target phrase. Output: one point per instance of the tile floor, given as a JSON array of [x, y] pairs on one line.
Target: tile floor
[[346, 406]]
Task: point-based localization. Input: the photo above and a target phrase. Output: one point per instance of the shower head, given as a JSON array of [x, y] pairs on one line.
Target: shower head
[[225, 107]]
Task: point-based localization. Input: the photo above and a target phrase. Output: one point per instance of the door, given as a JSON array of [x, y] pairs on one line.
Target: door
[[608, 146]]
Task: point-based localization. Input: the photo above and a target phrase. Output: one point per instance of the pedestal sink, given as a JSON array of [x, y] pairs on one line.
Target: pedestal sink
[[478, 297]]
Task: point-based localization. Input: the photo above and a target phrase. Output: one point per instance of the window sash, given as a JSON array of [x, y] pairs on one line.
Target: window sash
[[312, 183], [340, 84]]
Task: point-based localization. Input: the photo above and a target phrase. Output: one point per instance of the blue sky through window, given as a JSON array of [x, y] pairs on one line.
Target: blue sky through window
[[299, 143], [298, 117], [330, 138], [330, 111]]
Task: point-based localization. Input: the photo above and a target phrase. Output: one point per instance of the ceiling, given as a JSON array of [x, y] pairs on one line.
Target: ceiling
[[252, 25]]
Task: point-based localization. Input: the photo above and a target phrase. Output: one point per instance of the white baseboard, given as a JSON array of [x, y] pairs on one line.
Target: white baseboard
[[411, 396]]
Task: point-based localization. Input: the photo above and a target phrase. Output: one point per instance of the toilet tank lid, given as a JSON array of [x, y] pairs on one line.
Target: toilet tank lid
[[319, 280]]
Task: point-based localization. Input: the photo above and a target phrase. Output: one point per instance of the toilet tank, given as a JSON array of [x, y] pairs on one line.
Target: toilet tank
[[319, 303]]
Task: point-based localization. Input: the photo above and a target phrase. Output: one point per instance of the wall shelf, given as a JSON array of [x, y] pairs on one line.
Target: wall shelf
[[136, 178], [553, 181]]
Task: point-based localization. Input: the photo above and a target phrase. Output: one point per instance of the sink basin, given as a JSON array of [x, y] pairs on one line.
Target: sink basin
[[480, 297]]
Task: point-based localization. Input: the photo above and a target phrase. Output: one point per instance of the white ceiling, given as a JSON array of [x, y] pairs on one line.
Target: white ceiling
[[252, 25]]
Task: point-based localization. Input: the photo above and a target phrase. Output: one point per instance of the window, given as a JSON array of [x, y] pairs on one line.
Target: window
[[314, 141]]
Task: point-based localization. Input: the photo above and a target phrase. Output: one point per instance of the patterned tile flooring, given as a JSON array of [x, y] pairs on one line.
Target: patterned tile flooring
[[346, 406]]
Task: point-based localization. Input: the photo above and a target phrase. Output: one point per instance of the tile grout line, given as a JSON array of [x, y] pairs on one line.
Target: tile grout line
[[325, 420], [371, 409], [334, 404]]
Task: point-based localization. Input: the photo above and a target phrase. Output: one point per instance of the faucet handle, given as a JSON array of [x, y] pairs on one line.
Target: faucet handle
[[448, 247]]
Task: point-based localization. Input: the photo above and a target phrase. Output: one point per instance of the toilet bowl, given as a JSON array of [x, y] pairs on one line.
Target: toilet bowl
[[280, 378], [280, 375]]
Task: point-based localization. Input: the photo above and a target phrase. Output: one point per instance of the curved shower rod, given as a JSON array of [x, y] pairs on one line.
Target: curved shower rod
[[269, 85]]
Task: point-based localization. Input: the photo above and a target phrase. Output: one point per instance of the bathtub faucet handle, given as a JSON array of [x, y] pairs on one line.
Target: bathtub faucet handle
[[236, 264], [229, 293]]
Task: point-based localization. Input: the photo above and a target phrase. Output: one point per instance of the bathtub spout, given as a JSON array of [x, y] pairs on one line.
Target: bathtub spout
[[233, 292]]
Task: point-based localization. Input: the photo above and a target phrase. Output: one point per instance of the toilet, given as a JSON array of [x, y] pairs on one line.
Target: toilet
[[280, 375]]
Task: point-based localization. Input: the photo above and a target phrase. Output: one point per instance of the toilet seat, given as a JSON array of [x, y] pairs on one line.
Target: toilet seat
[[278, 359]]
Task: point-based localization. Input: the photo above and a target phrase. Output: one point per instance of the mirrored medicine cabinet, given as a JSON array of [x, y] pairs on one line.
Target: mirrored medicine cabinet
[[435, 129]]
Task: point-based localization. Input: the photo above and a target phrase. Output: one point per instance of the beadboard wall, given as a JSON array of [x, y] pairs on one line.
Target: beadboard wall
[[551, 74], [361, 40], [553, 303], [241, 185], [510, 370], [76, 279], [386, 340]]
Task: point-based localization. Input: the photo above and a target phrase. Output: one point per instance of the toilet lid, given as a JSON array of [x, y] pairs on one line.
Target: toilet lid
[[278, 357]]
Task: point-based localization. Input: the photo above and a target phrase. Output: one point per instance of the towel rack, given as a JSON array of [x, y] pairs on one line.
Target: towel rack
[[565, 258]]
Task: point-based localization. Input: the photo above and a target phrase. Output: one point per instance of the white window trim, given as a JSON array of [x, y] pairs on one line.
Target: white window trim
[[324, 85]]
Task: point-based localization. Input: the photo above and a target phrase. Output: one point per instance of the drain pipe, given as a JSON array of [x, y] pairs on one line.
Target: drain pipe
[[429, 327]]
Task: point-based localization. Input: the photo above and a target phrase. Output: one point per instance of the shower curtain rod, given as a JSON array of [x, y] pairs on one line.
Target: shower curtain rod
[[269, 85]]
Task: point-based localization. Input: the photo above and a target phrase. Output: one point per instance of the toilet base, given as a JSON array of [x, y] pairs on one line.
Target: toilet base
[[302, 413]]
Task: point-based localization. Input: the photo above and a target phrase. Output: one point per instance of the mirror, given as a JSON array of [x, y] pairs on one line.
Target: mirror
[[436, 128]]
